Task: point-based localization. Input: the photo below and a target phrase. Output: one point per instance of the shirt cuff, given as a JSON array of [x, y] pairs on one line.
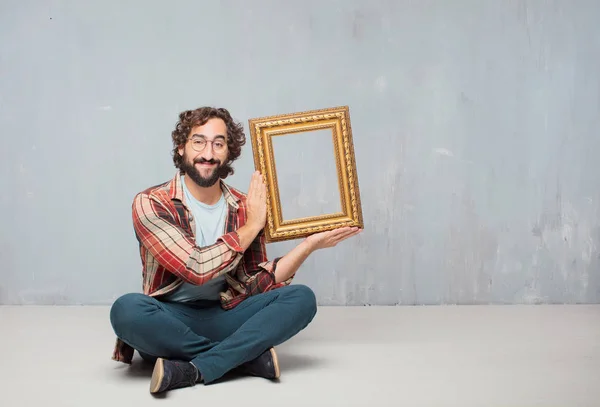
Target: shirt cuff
[[232, 240], [270, 267]]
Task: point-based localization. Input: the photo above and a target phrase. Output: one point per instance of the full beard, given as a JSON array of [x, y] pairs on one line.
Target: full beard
[[191, 171]]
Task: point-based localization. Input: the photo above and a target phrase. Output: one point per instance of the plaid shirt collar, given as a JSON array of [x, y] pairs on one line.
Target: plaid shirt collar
[[176, 191]]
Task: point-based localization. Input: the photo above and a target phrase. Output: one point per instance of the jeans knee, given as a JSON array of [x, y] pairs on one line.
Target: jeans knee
[[126, 310], [307, 299]]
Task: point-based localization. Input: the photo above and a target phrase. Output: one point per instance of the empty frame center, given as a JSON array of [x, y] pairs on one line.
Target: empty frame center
[[307, 174]]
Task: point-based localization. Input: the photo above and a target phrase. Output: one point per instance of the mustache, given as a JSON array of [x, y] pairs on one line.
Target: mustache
[[205, 161]]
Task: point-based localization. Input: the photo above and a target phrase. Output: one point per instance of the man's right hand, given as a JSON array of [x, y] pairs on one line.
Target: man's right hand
[[257, 202], [256, 211]]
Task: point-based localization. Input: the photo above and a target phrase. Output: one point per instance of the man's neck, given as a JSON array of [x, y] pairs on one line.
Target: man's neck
[[206, 195]]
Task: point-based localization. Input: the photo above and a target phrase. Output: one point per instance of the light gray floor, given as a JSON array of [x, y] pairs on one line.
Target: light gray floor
[[354, 356]]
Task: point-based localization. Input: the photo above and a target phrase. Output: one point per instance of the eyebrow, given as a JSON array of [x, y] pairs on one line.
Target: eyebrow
[[203, 136]]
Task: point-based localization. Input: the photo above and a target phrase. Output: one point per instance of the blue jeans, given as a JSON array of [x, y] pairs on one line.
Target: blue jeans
[[213, 339]]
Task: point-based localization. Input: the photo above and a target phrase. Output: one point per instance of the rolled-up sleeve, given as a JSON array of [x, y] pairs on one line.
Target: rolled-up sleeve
[[260, 271]]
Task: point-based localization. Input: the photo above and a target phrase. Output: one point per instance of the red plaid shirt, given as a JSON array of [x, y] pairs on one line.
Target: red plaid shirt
[[165, 230]]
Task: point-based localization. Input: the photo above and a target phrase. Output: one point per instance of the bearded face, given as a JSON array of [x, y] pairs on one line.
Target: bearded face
[[204, 155]]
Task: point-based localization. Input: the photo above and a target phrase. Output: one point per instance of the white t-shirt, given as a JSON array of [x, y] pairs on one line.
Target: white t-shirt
[[210, 225]]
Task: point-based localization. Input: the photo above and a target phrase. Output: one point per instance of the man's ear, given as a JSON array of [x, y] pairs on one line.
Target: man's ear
[[180, 150]]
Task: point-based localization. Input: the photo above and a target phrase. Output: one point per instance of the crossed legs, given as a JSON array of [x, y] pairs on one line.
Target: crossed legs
[[214, 340]]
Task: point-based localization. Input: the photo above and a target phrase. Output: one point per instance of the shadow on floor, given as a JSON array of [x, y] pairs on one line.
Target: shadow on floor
[[140, 368], [295, 362]]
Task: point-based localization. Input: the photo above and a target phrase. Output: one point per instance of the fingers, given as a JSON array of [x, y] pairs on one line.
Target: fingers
[[333, 237], [353, 233], [335, 233], [261, 188], [344, 233], [338, 231], [251, 188], [255, 182], [258, 188]]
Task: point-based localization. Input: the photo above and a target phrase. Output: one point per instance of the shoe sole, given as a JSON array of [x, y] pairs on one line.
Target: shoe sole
[[157, 376], [275, 363]]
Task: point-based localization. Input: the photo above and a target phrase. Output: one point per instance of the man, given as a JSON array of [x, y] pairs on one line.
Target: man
[[211, 301]]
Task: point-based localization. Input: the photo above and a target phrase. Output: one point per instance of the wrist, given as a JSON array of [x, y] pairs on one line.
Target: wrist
[[247, 234], [254, 227], [307, 247]]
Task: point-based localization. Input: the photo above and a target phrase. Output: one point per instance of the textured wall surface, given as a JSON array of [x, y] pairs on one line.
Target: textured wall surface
[[476, 128]]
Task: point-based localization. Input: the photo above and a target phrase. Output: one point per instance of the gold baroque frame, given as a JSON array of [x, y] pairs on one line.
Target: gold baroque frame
[[262, 129]]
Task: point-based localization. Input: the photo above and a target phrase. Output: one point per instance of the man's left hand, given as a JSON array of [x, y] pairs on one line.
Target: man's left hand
[[331, 238]]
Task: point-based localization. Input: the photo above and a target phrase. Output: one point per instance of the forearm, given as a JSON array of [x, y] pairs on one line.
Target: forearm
[[220, 256], [247, 234], [291, 262]]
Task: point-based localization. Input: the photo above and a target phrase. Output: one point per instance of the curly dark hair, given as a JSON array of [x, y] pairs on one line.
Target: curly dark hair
[[198, 117]]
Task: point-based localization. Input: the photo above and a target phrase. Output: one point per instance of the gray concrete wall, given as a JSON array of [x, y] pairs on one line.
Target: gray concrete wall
[[476, 128]]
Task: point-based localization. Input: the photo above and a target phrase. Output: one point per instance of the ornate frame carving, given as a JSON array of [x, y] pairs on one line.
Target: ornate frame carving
[[262, 129]]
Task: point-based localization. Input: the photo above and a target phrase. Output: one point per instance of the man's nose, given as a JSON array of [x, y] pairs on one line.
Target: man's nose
[[208, 153]]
